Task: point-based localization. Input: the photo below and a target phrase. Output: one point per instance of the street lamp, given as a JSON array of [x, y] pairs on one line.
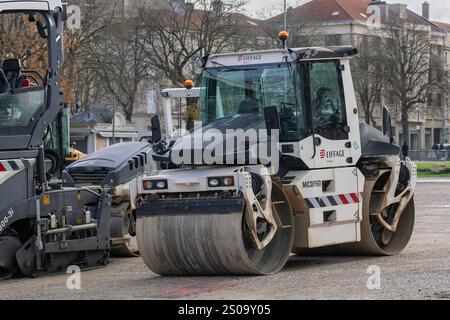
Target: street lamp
[[444, 119], [285, 15], [418, 127]]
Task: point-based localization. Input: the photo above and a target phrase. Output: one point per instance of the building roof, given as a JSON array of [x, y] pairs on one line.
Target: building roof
[[248, 25], [327, 11], [443, 25], [347, 11], [93, 115]]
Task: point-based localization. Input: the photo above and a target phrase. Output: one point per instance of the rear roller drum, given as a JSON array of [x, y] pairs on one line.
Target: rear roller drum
[[123, 232], [378, 240], [9, 244], [213, 244]]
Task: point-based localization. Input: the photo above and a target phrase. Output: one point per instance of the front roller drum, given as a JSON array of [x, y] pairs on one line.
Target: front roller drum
[[212, 243]]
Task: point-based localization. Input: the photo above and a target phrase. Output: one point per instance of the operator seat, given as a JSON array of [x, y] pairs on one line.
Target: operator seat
[[4, 84], [13, 72]]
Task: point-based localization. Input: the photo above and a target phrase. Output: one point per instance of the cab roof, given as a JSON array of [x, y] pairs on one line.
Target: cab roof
[[30, 5], [279, 55]]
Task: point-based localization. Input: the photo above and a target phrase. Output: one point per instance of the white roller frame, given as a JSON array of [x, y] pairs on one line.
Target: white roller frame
[[168, 103]]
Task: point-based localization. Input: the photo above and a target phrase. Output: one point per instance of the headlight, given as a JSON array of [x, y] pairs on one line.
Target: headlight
[[155, 184], [228, 182], [161, 185], [221, 182], [148, 185], [214, 183]]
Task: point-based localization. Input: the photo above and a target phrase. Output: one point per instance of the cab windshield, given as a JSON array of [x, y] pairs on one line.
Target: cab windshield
[[19, 108], [246, 91], [23, 69], [309, 97]]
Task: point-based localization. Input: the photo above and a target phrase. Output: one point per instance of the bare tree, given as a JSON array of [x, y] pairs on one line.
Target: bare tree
[[367, 78], [79, 81], [407, 70], [174, 36], [120, 62], [19, 39], [303, 32]]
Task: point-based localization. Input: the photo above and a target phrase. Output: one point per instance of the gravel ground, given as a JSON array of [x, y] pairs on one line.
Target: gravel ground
[[422, 271]]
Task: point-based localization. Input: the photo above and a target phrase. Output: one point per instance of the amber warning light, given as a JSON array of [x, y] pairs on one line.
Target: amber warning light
[[283, 36], [188, 84]]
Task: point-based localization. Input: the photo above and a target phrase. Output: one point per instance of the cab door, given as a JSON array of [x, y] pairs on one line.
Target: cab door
[[333, 139]]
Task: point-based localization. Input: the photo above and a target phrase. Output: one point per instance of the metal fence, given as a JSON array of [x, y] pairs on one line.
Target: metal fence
[[429, 155]]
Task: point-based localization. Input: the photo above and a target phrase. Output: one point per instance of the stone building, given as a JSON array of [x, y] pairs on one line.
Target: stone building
[[348, 22]]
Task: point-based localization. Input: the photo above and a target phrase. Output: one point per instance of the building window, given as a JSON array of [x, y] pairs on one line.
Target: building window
[[333, 40], [430, 99], [378, 96], [437, 50], [376, 41], [390, 97], [119, 140]]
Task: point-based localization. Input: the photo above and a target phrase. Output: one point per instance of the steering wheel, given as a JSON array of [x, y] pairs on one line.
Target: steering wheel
[[284, 104]]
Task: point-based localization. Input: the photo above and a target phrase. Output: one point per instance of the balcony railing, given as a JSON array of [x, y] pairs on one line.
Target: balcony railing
[[429, 155]]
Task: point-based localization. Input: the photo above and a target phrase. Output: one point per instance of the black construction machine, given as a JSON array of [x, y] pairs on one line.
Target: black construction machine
[[49, 222]]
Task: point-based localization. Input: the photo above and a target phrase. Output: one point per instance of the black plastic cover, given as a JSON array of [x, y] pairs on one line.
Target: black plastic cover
[[114, 165], [375, 143]]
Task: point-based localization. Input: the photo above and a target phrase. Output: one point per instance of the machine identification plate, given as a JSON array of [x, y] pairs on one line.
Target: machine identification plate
[[6, 219]]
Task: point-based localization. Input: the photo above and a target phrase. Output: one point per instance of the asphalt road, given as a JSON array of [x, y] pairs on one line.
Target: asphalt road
[[422, 271]]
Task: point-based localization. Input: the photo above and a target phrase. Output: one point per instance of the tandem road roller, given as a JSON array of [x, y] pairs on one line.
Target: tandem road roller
[[332, 185]]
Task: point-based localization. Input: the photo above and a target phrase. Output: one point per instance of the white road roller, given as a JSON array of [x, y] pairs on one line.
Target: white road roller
[[331, 185]]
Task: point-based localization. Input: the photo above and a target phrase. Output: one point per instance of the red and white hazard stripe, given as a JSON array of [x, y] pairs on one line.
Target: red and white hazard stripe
[[334, 200], [14, 165]]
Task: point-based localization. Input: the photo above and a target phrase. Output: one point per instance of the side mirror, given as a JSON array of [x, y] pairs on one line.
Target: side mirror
[[272, 119], [42, 29], [387, 125], [198, 64], [156, 129], [65, 15]]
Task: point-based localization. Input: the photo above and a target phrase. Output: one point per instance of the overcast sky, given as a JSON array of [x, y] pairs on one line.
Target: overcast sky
[[440, 9]]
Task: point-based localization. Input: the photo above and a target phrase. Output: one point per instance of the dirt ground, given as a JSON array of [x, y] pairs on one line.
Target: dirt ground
[[422, 271]]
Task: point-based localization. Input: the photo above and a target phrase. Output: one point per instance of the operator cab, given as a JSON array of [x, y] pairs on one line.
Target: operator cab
[[33, 123], [311, 88], [30, 99]]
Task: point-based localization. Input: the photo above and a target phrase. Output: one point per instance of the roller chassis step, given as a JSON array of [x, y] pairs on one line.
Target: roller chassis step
[[119, 241], [190, 206]]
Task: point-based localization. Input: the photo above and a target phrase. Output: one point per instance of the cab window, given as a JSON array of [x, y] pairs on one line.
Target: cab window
[[327, 100]]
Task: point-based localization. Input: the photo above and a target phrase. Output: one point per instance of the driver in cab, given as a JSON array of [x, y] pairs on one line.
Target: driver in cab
[[326, 113]]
